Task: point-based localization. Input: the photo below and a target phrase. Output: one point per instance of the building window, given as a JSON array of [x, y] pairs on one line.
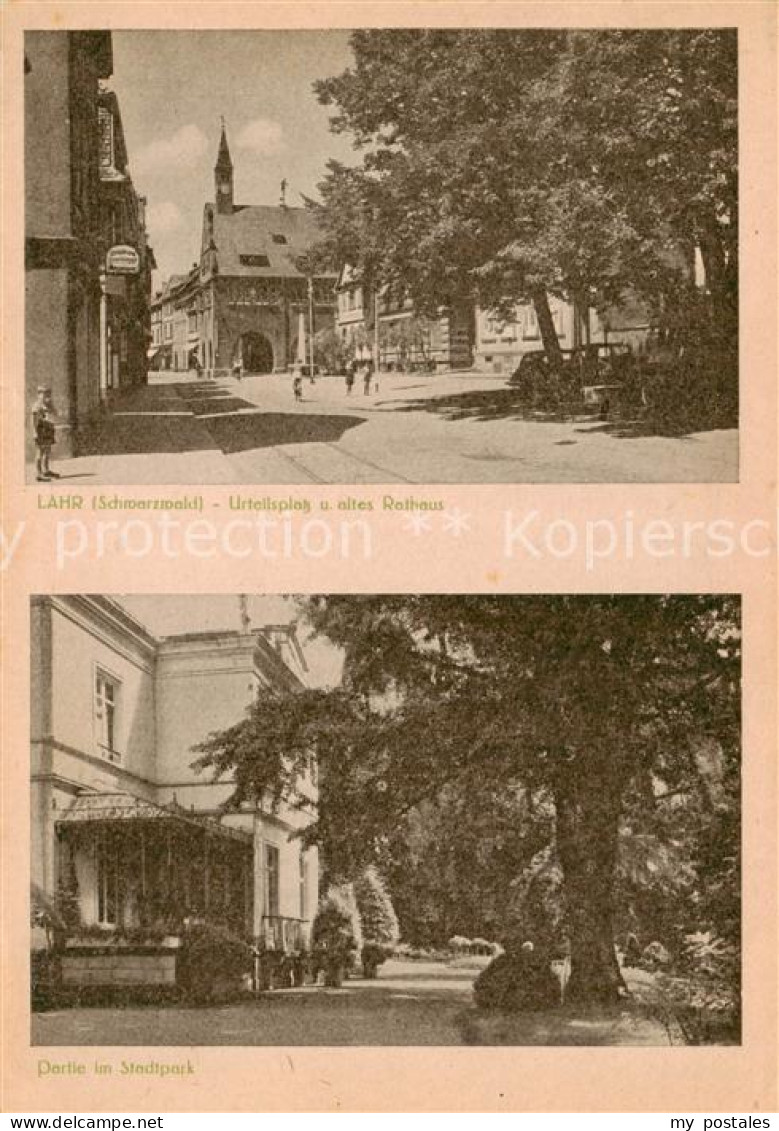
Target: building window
[[531, 328], [106, 703], [254, 260], [271, 878], [107, 885], [278, 238]]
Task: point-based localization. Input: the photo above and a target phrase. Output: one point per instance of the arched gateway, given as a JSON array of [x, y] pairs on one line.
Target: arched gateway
[[256, 352]]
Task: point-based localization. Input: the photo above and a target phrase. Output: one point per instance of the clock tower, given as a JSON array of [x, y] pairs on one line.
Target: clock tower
[[223, 177]]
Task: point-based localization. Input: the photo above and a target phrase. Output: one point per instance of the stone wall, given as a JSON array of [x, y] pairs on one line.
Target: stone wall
[[129, 968]]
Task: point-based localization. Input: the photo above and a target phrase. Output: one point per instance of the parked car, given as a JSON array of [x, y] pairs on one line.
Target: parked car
[[599, 361], [594, 374]]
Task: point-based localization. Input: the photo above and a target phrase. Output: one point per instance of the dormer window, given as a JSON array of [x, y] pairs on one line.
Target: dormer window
[[278, 238], [254, 260]]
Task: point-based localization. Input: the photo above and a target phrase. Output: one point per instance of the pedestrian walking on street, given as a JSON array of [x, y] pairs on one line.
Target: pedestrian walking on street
[[297, 386], [368, 377], [238, 368], [43, 413], [351, 373]]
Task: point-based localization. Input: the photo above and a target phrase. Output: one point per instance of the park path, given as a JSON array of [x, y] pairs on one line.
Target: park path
[[410, 1003]]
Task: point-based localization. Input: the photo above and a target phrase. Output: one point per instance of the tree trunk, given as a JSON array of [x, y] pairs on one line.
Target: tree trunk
[[588, 809], [721, 278], [547, 327]]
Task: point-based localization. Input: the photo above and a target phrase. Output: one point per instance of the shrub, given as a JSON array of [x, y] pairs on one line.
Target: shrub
[[379, 922], [47, 914], [213, 963], [515, 982], [337, 926], [704, 994], [336, 934]]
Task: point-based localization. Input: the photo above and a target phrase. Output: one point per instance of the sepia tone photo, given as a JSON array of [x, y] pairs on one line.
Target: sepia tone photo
[[381, 256], [386, 820]]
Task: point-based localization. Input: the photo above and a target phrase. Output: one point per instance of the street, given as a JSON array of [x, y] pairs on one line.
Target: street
[[460, 427], [410, 1003]]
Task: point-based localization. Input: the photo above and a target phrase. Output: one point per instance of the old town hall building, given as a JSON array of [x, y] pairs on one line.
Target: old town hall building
[[250, 295]]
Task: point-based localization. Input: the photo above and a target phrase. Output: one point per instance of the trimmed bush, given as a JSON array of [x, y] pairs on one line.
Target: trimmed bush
[[213, 963], [517, 982], [380, 929], [336, 934]]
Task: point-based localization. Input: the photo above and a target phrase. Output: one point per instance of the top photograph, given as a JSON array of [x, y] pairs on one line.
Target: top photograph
[[389, 256]]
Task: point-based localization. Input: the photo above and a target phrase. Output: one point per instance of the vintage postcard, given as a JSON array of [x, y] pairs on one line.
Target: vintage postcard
[[388, 557]]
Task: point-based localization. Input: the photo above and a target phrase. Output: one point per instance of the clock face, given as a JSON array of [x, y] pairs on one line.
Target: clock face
[[224, 188]]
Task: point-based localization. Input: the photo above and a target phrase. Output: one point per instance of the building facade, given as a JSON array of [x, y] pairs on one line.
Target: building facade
[[85, 325], [251, 292], [387, 326], [501, 342], [164, 352], [127, 260], [122, 826]]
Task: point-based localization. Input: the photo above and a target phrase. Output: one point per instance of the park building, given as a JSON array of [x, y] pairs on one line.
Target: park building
[[122, 827]]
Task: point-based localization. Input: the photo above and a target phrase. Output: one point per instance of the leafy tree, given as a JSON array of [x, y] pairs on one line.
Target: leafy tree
[[473, 862], [409, 340], [584, 702], [584, 163], [330, 351]]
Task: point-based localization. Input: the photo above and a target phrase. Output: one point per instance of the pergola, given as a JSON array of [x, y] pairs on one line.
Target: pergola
[[157, 865]]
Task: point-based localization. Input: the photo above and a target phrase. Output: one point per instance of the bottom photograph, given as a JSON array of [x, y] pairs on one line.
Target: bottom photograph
[[385, 820]]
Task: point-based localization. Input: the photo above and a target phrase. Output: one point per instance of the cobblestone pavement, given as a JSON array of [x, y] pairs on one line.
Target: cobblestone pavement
[[413, 428]]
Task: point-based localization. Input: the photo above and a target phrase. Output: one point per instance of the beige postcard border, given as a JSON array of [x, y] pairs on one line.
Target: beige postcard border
[[426, 1079]]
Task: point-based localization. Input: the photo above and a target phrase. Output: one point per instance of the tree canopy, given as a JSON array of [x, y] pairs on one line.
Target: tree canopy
[[583, 163], [587, 708]]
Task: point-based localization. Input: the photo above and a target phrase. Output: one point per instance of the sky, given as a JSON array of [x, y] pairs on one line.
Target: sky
[[208, 612], [173, 88]]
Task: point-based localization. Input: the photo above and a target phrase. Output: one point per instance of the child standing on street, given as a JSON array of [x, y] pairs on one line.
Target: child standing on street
[[43, 414]]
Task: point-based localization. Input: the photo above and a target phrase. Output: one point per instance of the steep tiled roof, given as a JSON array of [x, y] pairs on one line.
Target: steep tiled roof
[[249, 231]]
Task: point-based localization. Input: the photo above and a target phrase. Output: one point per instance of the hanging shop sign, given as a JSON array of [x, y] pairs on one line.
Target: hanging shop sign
[[122, 260]]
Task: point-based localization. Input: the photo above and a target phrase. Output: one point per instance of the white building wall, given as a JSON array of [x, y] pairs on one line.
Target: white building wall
[[79, 651], [171, 695], [204, 684]]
